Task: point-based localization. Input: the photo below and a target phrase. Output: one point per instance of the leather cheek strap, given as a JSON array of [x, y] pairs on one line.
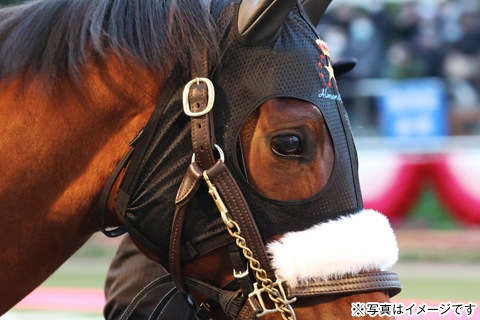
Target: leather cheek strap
[[203, 133], [188, 187], [203, 137], [240, 212]]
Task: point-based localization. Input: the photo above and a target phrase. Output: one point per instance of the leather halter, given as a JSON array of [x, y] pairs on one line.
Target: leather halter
[[237, 209], [234, 208]]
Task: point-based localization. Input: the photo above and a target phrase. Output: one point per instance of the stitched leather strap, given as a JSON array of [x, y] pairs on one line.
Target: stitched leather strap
[[203, 134], [240, 212], [188, 187], [383, 280], [250, 310], [175, 246], [236, 205], [190, 184], [203, 137]]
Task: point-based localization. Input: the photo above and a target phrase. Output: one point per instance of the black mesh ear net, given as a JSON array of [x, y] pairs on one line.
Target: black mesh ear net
[[247, 75]]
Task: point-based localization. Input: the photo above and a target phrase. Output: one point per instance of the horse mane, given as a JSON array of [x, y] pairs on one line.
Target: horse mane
[[56, 38]]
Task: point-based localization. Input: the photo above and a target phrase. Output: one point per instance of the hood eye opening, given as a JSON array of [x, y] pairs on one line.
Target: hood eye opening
[[241, 159]]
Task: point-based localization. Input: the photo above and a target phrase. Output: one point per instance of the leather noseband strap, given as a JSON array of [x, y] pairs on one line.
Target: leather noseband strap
[[364, 282]]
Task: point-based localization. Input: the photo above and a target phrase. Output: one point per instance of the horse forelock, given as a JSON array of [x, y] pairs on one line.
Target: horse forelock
[[57, 38]]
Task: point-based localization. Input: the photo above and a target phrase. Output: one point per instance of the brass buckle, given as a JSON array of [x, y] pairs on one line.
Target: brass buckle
[[258, 293], [211, 97]]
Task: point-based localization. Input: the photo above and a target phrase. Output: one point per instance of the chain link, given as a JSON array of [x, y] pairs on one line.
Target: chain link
[[280, 304]]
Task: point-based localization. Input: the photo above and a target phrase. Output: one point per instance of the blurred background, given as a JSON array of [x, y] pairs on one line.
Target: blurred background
[[414, 106]]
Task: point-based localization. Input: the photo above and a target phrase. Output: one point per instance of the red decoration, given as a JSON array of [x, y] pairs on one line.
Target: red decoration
[[459, 201], [400, 192], [413, 174]]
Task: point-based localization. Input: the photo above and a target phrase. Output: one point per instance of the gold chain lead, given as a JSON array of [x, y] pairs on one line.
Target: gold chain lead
[[282, 304]]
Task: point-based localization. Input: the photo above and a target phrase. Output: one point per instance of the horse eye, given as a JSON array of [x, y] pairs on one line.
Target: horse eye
[[286, 145]]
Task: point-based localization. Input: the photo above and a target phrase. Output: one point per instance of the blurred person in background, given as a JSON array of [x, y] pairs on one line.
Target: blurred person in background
[[413, 40], [461, 67]]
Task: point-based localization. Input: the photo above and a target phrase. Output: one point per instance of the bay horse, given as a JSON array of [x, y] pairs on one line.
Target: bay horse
[[79, 79]]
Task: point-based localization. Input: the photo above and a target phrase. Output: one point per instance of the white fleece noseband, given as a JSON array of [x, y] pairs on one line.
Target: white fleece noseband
[[358, 242]]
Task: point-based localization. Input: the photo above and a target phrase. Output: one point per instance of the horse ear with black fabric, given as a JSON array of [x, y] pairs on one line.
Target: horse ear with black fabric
[[343, 66], [315, 9], [260, 20]]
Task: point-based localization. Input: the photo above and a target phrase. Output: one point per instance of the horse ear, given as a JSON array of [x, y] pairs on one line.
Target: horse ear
[[260, 20], [343, 66], [315, 9]]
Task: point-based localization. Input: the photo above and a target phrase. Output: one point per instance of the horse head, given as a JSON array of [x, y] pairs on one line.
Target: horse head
[[277, 154], [274, 148]]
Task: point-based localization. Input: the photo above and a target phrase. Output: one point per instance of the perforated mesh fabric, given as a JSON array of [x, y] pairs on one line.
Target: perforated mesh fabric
[[247, 76]]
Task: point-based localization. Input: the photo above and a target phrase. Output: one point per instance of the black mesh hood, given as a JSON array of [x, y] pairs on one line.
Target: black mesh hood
[[247, 75]]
